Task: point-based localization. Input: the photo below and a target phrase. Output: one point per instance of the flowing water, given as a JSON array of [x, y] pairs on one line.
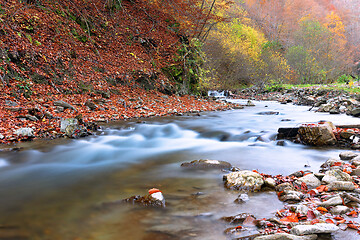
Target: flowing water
[[68, 189]]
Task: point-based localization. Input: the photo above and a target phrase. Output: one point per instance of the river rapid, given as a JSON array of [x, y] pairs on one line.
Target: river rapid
[[58, 190]]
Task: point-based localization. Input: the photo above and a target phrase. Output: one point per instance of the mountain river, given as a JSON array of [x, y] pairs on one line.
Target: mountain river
[[56, 190]]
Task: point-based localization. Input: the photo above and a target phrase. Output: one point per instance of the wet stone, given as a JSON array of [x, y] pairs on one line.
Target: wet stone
[[242, 198], [147, 200], [283, 186], [310, 180], [237, 219], [244, 180], [314, 229], [334, 201], [336, 175], [286, 236], [347, 155], [270, 182], [206, 164], [341, 186], [337, 210]]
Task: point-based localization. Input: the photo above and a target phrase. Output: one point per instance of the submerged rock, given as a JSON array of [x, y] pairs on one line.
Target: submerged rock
[[206, 164], [314, 229], [242, 198], [244, 180], [237, 219], [154, 198]]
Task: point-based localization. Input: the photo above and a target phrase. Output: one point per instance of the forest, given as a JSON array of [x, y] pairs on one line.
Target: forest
[[266, 42]]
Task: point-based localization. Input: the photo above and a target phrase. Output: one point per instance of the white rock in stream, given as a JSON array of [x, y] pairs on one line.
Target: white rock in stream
[[347, 155], [286, 236], [270, 182], [336, 175], [244, 180], [337, 210], [314, 229], [337, 200], [341, 186], [26, 132], [310, 180]]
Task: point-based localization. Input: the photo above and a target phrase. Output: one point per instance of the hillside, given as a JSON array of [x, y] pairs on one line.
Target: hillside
[[104, 58]]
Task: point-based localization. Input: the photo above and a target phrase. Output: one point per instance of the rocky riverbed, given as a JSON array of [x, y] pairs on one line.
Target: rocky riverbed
[[320, 100], [315, 203]]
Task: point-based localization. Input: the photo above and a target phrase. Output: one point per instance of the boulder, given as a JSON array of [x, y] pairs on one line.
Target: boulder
[[338, 210], [270, 182], [65, 122], [310, 180], [317, 134], [334, 201], [355, 112], [64, 105], [91, 105], [291, 195], [25, 132], [336, 175], [286, 236], [347, 155], [283, 187], [341, 186], [318, 228], [355, 172], [206, 164], [244, 180]]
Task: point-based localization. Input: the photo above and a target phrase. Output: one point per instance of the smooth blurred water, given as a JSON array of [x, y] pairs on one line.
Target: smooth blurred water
[[56, 191]]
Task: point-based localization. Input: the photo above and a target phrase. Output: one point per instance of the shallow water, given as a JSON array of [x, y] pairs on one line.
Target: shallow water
[[57, 190]]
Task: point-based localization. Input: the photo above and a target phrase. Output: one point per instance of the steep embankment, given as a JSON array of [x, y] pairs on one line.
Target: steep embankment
[[105, 58]]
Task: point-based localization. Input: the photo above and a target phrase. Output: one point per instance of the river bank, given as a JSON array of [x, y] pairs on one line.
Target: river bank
[[41, 117]]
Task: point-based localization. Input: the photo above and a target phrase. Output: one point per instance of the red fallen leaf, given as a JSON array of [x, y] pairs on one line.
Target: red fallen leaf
[[315, 221], [313, 192], [238, 227], [329, 221], [304, 186], [322, 209], [353, 226], [338, 218], [279, 193], [340, 221], [292, 218], [322, 188], [352, 213], [249, 221], [310, 215], [269, 224]]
